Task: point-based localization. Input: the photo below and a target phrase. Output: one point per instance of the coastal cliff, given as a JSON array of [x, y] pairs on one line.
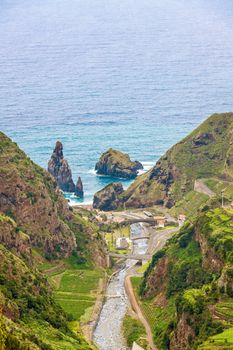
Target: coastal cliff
[[109, 198], [207, 153], [117, 164], [37, 227]]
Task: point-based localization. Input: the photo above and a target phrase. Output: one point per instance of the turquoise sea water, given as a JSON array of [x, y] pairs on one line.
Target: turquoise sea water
[[132, 75]]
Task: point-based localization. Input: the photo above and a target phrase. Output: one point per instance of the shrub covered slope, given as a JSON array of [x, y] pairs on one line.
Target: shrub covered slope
[[187, 290]]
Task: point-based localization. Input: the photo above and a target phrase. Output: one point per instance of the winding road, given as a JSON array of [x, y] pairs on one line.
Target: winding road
[[157, 240], [136, 308]]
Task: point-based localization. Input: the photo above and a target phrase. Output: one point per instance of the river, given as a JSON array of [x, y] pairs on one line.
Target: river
[[108, 333]]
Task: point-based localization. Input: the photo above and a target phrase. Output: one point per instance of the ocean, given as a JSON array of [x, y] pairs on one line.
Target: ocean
[[132, 75]]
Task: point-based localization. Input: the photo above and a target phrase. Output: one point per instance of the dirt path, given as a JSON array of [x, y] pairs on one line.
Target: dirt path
[[53, 269], [137, 309], [201, 187]]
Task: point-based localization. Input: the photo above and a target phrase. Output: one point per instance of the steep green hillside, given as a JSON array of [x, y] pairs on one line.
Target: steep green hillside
[[38, 230], [29, 316], [207, 152], [187, 290]]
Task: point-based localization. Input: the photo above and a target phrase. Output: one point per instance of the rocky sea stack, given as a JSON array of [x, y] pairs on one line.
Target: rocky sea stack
[[109, 197], [59, 168], [117, 164], [79, 188]]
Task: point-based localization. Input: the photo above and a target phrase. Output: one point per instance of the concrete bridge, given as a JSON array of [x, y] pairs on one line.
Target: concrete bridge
[[131, 221], [141, 237], [140, 257]]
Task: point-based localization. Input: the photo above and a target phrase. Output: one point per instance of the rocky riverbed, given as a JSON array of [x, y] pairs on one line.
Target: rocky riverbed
[[108, 332]]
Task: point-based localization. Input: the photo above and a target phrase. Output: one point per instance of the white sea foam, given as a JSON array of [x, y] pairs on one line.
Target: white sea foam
[[73, 203], [92, 171], [146, 166]]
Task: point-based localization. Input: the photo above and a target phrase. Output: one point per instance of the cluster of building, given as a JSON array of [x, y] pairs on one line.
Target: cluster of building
[[124, 243]]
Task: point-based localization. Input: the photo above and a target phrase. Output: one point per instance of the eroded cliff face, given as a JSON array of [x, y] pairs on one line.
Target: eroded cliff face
[[206, 152], [183, 334], [13, 238], [29, 195], [109, 198]]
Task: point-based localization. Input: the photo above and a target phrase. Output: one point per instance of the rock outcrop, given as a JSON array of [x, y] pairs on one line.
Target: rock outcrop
[[59, 168], [33, 211], [79, 188], [117, 164], [205, 153], [109, 198]]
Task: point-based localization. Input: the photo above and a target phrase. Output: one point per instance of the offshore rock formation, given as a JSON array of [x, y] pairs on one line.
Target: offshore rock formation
[[117, 164], [79, 188], [109, 197], [59, 168]]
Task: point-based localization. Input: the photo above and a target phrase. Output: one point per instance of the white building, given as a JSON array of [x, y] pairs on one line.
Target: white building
[[122, 243]]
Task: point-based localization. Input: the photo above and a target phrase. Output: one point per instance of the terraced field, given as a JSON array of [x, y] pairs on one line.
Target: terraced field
[[224, 311], [76, 291], [222, 341]]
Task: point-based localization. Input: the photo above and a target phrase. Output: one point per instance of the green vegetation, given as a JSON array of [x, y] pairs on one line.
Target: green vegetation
[[41, 235], [191, 280], [114, 234], [134, 332], [35, 317], [206, 153], [218, 185], [222, 341], [76, 290], [160, 318], [189, 204]]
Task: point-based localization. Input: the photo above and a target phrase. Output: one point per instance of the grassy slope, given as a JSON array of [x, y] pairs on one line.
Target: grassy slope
[[134, 331], [31, 319], [76, 290], [190, 284], [187, 162]]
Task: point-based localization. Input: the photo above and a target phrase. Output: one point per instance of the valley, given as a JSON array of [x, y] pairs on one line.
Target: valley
[[150, 266]]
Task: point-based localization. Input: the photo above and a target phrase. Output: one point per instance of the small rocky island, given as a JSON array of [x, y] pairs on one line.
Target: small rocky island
[[117, 164], [59, 168]]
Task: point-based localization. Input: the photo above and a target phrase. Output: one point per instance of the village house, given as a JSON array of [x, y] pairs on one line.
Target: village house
[[122, 243], [160, 221], [181, 219]]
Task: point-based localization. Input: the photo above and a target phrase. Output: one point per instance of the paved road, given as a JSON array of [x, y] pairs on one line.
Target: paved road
[[158, 238], [135, 306], [201, 187], [156, 242]]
